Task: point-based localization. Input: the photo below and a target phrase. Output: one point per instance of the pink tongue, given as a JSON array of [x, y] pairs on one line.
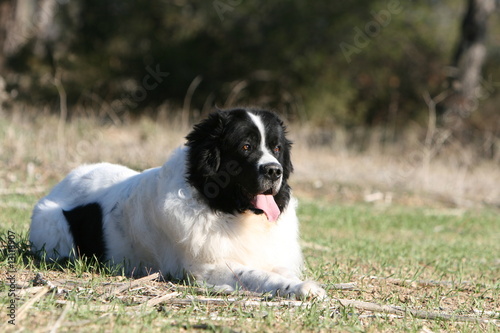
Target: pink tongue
[[268, 205]]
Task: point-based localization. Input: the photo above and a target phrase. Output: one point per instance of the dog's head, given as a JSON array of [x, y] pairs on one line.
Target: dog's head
[[240, 160]]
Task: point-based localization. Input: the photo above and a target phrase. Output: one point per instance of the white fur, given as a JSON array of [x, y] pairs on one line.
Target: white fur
[[267, 157], [156, 221]]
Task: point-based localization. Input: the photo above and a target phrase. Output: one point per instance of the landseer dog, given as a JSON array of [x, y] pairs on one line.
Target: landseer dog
[[219, 210]]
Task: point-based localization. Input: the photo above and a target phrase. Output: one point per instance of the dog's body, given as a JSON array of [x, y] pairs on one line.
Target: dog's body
[[219, 210]]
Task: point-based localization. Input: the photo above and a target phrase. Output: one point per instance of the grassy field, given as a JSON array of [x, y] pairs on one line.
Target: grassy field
[[404, 263], [433, 262]]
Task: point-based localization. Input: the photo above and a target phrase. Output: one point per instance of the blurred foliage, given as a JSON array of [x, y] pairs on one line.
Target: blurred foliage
[[284, 54]]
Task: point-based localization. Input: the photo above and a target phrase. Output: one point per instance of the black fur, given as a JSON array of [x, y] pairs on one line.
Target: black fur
[[85, 224], [224, 173]]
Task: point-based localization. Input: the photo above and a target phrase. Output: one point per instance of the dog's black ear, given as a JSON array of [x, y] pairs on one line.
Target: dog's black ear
[[204, 142], [283, 196], [287, 160]]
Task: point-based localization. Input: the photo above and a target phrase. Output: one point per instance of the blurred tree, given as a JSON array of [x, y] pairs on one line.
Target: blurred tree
[[469, 58]]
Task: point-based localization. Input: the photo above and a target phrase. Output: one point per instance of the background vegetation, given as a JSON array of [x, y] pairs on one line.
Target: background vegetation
[[343, 63]]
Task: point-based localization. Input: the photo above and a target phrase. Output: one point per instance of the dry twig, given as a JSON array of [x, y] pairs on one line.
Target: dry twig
[[225, 301], [132, 284], [25, 307], [397, 310], [59, 320], [419, 283], [161, 299]]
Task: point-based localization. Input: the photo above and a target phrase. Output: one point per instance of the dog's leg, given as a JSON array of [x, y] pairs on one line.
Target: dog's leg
[[232, 276]]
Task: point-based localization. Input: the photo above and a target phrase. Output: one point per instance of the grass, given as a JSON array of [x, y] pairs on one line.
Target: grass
[[416, 258], [424, 243], [421, 250]]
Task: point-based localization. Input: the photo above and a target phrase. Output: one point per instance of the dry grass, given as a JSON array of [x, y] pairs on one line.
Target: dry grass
[[175, 306], [408, 173], [37, 151]]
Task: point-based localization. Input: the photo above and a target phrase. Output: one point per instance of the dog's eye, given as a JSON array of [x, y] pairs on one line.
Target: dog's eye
[[246, 147], [277, 149]]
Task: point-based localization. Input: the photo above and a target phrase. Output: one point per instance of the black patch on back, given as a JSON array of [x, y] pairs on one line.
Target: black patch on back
[[85, 224]]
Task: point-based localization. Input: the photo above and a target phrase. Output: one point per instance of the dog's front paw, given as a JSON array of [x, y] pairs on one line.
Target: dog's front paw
[[310, 289], [223, 289]]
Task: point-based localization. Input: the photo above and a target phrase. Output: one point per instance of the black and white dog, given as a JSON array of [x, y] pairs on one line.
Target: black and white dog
[[219, 210]]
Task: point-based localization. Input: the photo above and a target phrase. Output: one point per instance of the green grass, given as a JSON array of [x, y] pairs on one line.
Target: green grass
[[459, 250], [406, 242]]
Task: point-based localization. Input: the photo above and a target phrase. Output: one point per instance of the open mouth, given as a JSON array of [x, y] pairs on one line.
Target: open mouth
[[269, 192], [267, 204]]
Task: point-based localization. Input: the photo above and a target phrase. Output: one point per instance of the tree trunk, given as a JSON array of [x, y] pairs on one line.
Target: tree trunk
[[468, 59]]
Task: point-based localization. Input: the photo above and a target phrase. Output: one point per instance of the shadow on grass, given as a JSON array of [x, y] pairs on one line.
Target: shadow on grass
[[16, 254]]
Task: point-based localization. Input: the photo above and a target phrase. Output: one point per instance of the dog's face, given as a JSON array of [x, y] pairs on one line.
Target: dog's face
[[240, 160]]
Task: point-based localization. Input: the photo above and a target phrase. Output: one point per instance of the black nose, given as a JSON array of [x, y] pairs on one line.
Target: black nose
[[272, 171]]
